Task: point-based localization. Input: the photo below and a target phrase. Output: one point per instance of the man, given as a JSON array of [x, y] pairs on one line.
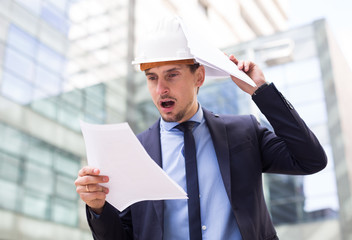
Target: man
[[232, 153]]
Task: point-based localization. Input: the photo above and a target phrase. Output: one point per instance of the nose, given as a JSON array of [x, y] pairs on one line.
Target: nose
[[162, 88]]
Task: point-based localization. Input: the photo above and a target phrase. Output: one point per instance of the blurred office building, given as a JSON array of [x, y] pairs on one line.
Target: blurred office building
[[62, 61], [308, 67]]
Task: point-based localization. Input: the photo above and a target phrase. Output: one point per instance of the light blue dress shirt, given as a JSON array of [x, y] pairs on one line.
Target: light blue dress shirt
[[217, 218]]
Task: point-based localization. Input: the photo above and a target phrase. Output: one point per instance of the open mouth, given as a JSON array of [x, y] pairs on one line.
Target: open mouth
[[167, 104]]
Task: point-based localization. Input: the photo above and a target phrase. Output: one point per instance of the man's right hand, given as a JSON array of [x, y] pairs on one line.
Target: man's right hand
[[89, 189]]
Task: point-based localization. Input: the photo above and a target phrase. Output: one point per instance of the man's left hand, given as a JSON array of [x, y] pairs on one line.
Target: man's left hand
[[252, 70]]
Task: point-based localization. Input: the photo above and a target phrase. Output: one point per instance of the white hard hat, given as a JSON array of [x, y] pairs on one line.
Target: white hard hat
[[172, 40], [165, 42]]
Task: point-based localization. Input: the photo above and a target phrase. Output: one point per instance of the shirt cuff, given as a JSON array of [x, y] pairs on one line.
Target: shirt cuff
[[93, 215]]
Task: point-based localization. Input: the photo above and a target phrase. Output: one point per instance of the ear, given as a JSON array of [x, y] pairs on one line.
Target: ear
[[200, 73]]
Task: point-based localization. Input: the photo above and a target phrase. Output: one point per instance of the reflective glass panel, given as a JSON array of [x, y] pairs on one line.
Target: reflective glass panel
[[302, 71], [32, 5], [69, 116], [9, 167], [54, 17], [16, 89], [66, 164], [59, 5], [47, 107], [306, 92], [40, 152], [50, 59], [74, 97], [19, 39], [313, 113], [65, 212], [39, 178], [35, 204], [65, 187], [48, 81], [13, 143], [8, 200], [19, 64]]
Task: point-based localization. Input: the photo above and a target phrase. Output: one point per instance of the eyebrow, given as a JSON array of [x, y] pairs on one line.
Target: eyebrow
[[166, 71], [148, 73]]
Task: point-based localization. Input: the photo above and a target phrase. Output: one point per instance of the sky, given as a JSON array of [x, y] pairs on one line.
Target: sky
[[338, 14]]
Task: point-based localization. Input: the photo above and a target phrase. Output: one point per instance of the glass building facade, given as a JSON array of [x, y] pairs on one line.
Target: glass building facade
[[36, 178], [40, 111]]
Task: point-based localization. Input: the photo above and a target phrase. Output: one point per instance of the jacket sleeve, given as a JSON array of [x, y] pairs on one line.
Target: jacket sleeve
[[110, 224], [293, 148]]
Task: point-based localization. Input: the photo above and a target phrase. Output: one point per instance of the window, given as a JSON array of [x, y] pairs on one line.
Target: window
[[59, 5], [33, 5], [66, 164], [19, 64], [313, 113], [54, 17], [15, 89], [50, 59], [224, 97], [12, 143], [21, 40], [65, 188], [8, 200], [9, 167], [69, 116], [48, 81], [40, 153], [38, 178], [307, 92], [302, 71], [31, 69], [64, 211], [35, 204], [46, 107]]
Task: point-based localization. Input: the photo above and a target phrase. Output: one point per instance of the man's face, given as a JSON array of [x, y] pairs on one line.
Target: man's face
[[174, 90]]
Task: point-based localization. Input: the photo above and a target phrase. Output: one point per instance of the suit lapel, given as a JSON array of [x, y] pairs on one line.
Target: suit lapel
[[151, 143], [218, 134]]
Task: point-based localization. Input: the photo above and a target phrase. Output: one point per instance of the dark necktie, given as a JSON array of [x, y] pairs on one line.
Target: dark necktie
[[194, 221]]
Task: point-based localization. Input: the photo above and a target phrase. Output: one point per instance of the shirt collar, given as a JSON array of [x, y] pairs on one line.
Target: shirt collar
[[197, 117]]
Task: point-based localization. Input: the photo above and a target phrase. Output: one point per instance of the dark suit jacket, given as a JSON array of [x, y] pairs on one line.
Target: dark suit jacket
[[244, 151]]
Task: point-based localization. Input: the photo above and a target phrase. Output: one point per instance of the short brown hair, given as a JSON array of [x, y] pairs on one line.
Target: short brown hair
[[193, 67]]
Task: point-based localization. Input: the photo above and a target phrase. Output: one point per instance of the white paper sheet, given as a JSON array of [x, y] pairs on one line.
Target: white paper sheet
[[217, 64], [134, 176]]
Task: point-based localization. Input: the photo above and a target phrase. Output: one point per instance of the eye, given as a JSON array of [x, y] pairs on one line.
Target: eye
[[151, 78], [172, 75]]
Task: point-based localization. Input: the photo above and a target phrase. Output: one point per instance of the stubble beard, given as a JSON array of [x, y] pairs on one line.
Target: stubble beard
[[178, 116]]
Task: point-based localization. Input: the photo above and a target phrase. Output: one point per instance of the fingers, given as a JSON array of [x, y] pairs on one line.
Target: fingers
[[85, 180], [89, 175], [241, 64], [90, 197], [91, 188], [94, 200], [88, 171], [244, 65], [233, 59], [89, 180]]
